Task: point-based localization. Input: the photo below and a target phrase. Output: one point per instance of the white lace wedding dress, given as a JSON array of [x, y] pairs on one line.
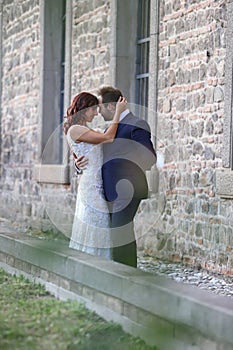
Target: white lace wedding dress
[[90, 231]]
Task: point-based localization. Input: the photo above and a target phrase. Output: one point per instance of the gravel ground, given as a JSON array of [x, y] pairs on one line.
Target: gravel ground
[[215, 282]]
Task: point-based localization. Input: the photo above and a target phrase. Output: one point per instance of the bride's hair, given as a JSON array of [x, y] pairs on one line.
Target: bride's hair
[[80, 103]]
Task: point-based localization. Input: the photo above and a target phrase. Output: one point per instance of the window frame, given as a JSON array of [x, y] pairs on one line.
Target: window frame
[[143, 53], [123, 55], [1, 19], [55, 173], [228, 107], [224, 176], [123, 52]]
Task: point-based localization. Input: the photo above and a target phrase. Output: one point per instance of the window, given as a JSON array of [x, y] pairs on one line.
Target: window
[[228, 115], [62, 77], [55, 89], [134, 59], [52, 79], [134, 54], [143, 50], [123, 49], [224, 176], [0, 86]]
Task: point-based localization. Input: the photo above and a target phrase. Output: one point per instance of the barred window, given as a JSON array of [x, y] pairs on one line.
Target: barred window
[[56, 28], [62, 77], [143, 47], [228, 118], [52, 88]]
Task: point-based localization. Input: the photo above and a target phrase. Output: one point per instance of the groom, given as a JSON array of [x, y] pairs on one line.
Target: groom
[[125, 161]]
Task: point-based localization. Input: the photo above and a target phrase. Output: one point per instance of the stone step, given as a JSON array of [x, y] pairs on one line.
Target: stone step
[[161, 311]]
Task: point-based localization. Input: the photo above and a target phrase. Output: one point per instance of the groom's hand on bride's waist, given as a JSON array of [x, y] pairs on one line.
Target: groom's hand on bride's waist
[[80, 163]]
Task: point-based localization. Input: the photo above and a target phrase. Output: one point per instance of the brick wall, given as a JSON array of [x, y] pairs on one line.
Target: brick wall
[[22, 198], [91, 45], [19, 115], [90, 55], [192, 223]]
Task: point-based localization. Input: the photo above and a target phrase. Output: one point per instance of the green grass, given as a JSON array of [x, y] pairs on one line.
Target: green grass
[[32, 319], [49, 235]]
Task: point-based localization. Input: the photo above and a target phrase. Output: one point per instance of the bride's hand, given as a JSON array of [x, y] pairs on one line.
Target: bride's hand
[[121, 104]]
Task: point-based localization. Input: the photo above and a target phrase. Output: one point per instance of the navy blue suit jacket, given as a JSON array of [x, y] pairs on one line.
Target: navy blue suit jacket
[[126, 159]]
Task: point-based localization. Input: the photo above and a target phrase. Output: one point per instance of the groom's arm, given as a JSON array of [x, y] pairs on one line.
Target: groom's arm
[[79, 163], [142, 135]]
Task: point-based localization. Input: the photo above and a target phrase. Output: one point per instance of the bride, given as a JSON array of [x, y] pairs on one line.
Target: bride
[[91, 227]]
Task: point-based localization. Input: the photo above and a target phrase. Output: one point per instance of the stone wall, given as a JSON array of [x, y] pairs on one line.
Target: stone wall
[[90, 44], [194, 224], [186, 220], [24, 200], [19, 102], [90, 55]]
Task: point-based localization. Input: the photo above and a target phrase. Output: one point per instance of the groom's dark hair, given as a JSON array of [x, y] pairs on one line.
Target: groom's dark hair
[[109, 94]]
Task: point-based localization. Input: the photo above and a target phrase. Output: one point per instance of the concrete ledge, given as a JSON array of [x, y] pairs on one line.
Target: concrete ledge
[[52, 173], [164, 313]]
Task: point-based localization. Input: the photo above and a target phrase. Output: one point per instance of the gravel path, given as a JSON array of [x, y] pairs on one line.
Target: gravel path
[[215, 282]]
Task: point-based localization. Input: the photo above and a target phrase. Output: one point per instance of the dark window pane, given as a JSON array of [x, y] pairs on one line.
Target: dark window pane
[[143, 47]]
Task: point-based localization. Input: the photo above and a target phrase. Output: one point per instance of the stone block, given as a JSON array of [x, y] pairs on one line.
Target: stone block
[[45, 276], [88, 293], [23, 265], [10, 260], [115, 304], [35, 271], [64, 283], [218, 94], [167, 106], [101, 298], [224, 182], [3, 257], [76, 287]]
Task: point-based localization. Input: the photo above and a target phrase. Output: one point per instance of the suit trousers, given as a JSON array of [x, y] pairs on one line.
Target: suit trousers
[[122, 212]]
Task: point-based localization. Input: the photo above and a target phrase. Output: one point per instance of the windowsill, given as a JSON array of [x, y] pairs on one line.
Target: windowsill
[[52, 173], [224, 182], [153, 180]]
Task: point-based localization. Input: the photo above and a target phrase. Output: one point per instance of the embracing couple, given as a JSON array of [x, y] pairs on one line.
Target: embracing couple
[[113, 182]]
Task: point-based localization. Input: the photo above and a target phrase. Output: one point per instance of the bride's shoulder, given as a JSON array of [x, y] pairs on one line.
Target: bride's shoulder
[[98, 130], [75, 131], [78, 127]]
